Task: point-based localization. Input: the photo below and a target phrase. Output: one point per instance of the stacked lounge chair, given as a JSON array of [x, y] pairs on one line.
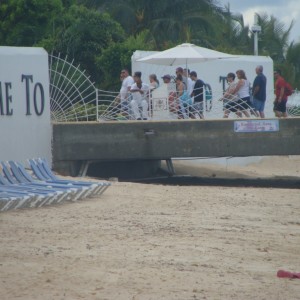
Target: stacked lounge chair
[[20, 188], [42, 171], [35, 196]]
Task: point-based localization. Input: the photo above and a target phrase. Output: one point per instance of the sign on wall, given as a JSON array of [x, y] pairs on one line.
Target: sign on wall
[[256, 126]]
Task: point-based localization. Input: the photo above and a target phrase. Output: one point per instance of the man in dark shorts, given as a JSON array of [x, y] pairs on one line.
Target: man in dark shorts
[[197, 107], [259, 92], [281, 97]]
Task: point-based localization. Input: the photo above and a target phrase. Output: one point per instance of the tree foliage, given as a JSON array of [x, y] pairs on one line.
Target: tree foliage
[[274, 37], [117, 56], [101, 35], [232, 31], [293, 60], [83, 34], [174, 21], [25, 23]]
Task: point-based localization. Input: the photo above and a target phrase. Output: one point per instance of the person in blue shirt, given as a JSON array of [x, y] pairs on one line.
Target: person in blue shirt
[[259, 92]]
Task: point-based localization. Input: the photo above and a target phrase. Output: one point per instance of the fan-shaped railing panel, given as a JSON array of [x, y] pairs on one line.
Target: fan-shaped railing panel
[[74, 97]]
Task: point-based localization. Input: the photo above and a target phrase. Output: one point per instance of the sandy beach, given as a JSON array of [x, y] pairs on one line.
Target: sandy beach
[[142, 242]]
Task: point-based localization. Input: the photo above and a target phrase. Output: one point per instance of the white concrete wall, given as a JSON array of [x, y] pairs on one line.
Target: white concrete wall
[[25, 126], [210, 72]]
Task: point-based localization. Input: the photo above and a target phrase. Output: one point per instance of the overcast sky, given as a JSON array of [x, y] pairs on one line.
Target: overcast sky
[[284, 10]]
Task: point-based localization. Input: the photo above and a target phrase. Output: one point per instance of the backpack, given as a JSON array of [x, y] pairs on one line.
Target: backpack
[[208, 96], [208, 92], [185, 98], [288, 90]]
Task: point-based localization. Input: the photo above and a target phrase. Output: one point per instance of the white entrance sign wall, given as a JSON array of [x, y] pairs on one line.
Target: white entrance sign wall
[[25, 125]]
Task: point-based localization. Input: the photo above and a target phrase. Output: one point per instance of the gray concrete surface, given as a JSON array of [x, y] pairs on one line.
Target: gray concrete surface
[[74, 143]]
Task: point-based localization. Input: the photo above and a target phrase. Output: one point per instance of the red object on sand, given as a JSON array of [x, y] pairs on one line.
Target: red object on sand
[[287, 274]]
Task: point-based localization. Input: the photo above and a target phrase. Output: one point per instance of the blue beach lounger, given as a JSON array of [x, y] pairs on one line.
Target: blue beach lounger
[[46, 171], [41, 195], [40, 176], [45, 195], [12, 199], [25, 178]]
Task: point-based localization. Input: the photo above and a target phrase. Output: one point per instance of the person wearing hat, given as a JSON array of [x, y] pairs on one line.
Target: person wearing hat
[[140, 97], [166, 78]]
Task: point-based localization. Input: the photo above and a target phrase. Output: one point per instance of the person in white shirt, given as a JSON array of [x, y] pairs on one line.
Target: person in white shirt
[[127, 82], [229, 98], [140, 97], [190, 82]]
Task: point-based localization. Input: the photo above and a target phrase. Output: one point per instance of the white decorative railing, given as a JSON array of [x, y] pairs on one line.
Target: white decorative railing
[[73, 97], [160, 107], [72, 94], [293, 104]]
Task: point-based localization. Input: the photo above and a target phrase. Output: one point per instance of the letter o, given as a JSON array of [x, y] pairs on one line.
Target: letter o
[[42, 105]]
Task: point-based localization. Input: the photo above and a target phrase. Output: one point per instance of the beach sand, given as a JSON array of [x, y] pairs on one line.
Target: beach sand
[[143, 242], [263, 167]]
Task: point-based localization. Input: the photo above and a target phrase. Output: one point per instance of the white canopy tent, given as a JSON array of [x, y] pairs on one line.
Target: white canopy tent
[[184, 54]]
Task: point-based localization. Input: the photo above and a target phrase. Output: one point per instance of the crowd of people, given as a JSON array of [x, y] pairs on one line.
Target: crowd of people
[[241, 99], [186, 95]]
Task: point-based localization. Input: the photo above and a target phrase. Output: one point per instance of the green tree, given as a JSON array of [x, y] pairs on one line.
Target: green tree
[[293, 59], [101, 35], [274, 42], [274, 38], [82, 34], [168, 21], [231, 33], [117, 56], [25, 23]]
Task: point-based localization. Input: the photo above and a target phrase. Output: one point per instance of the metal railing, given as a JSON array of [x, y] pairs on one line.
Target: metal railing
[[74, 97]]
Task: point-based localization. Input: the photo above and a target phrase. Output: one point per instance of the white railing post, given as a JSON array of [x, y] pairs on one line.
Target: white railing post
[[97, 106]]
